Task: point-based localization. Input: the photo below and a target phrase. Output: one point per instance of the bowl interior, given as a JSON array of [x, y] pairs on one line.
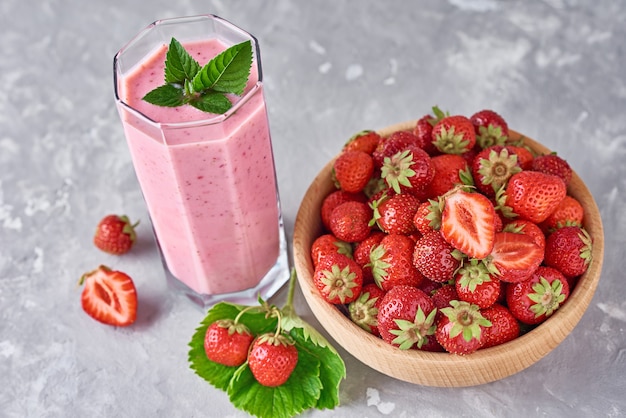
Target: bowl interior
[[443, 369]]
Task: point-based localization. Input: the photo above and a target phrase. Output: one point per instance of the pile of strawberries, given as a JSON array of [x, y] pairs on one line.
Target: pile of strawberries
[[452, 236]]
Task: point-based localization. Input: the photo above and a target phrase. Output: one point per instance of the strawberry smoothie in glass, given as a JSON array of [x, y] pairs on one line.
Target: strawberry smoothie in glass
[[208, 179]]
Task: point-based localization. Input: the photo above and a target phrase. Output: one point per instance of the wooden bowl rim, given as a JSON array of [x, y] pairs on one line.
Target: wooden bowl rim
[[444, 369]]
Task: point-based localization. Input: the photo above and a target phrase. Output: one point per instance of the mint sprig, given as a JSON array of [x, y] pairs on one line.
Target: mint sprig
[[204, 88], [314, 382]]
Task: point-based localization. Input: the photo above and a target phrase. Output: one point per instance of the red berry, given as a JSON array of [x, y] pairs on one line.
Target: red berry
[[454, 135], [350, 221], [504, 326], [533, 195], [569, 250], [435, 258], [272, 359], [338, 278], [392, 262], [353, 170], [460, 328], [227, 343], [115, 234]]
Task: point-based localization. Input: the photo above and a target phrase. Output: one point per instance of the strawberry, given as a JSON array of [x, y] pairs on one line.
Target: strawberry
[[553, 164], [391, 262], [444, 295], [435, 258], [115, 234], [394, 215], [408, 171], [460, 328], [338, 278], [491, 128], [406, 317], [450, 170], [568, 213], [353, 170], [362, 251], [514, 257], [569, 250], [336, 198], [272, 359], [525, 156], [474, 284], [534, 300], [393, 144], [534, 195], [364, 310], [350, 221], [454, 135], [523, 226], [427, 218], [327, 244], [504, 326], [423, 131], [467, 223], [109, 296], [492, 167], [365, 141], [227, 342]]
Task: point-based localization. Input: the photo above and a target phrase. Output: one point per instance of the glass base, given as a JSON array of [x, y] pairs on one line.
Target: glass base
[[271, 283]]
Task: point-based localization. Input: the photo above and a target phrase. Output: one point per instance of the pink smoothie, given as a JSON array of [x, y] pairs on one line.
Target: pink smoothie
[[210, 188]]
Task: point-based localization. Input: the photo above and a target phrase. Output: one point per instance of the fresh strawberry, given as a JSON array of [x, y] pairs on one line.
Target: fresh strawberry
[[272, 359], [408, 171], [491, 128], [474, 284], [391, 262], [534, 195], [553, 164], [353, 170], [523, 226], [328, 244], [338, 278], [394, 215], [534, 300], [115, 234], [460, 328], [492, 167], [365, 141], [350, 221], [504, 326], [427, 218], [454, 135], [435, 258], [406, 317], [450, 170], [568, 213], [514, 257], [361, 254], [467, 223], [444, 295], [393, 144], [423, 131], [364, 310], [569, 250], [336, 198], [227, 342], [109, 296]]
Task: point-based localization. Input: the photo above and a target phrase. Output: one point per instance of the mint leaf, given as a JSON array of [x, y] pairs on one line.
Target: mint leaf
[[212, 103], [167, 95], [299, 393], [179, 65], [203, 87], [228, 72]]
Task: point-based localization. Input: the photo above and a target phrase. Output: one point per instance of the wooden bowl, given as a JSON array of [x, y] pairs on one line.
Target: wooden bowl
[[443, 369]]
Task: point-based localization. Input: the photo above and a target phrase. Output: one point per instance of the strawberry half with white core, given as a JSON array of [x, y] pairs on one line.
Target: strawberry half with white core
[[460, 328], [109, 296], [468, 223], [514, 257]]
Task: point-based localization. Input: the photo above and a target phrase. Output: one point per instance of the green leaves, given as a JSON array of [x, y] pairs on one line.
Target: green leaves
[[205, 88], [314, 382]]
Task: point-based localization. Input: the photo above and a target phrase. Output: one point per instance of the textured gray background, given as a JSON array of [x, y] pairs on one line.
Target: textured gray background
[[554, 69]]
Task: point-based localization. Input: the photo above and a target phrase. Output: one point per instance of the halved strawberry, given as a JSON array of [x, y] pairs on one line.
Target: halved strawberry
[[515, 256], [109, 296], [468, 223]]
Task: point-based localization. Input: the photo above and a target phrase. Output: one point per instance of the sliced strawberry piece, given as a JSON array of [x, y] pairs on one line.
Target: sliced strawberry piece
[[515, 256], [468, 223], [109, 296]]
